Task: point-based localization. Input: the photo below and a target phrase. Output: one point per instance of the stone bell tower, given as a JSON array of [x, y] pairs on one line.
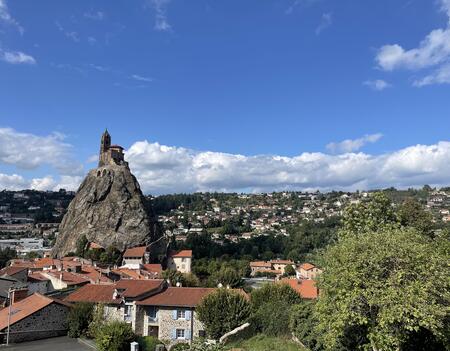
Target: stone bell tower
[[105, 144]]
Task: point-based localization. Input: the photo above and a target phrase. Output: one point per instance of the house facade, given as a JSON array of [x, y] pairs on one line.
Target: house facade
[[180, 261], [308, 271]]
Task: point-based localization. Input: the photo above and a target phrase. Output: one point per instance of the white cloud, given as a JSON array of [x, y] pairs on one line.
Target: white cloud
[[72, 35], [432, 52], [29, 151], [141, 78], [42, 184], [91, 40], [7, 19], [161, 22], [326, 21], [352, 145], [95, 15], [377, 84], [12, 182], [439, 76], [164, 169], [16, 57]]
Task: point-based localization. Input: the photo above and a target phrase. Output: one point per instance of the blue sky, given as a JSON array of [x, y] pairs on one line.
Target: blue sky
[[241, 95]]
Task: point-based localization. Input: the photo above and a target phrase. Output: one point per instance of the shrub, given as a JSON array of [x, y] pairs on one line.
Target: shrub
[[97, 321], [302, 324], [180, 346], [114, 336], [80, 316], [148, 343], [223, 311]]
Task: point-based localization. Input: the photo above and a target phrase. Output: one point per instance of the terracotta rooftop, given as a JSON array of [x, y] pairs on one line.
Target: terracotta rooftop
[[260, 264], [104, 293], [11, 270], [153, 268], [307, 266], [115, 146], [36, 276], [306, 288], [94, 293], [95, 246], [281, 262], [25, 308], [182, 253], [68, 277], [172, 296], [135, 251]]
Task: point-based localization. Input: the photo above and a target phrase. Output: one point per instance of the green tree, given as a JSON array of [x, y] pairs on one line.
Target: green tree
[[271, 308], [6, 254], [412, 214], [223, 311], [114, 336], [379, 290], [185, 279], [80, 316], [289, 270], [303, 324], [228, 277], [81, 246]]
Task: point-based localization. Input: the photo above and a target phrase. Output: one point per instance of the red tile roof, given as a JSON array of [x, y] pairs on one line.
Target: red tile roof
[[307, 266], [94, 293], [11, 270], [135, 251], [153, 268], [25, 308], [104, 293], [182, 253], [281, 262], [95, 246], [36, 276], [260, 264], [69, 278], [172, 296], [306, 288]]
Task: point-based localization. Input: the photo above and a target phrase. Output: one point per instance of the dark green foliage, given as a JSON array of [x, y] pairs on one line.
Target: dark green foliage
[[80, 316], [114, 336], [223, 311], [148, 343], [271, 308], [289, 270], [6, 254], [412, 214], [180, 347], [228, 277], [81, 246], [185, 279], [303, 324]]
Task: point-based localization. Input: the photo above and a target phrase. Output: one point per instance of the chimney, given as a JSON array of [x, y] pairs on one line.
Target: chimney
[[18, 295]]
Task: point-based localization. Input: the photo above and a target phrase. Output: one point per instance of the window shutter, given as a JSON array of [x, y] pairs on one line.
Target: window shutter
[[188, 334], [174, 315], [188, 315], [174, 334]]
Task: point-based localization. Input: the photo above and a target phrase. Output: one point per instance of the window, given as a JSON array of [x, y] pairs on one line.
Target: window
[[180, 333], [152, 313], [201, 334], [181, 314], [183, 259], [127, 310]]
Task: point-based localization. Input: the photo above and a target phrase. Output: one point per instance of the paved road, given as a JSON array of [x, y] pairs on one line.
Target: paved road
[[54, 344]]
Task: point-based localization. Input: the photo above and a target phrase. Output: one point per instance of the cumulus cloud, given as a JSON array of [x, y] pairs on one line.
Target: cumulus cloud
[[13, 182], [377, 84], [29, 151], [352, 145], [433, 52], [326, 21], [141, 78], [161, 21], [16, 57], [166, 169]]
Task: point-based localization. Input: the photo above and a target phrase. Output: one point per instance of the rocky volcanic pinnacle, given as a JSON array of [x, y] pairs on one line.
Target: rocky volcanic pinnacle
[[109, 209]]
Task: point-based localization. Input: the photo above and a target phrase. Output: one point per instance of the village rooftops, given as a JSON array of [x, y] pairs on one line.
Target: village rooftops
[[307, 266], [182, 253], [25, 308], [180, 297], [11, 270], [105, 293], [261, 264], [135, 252], [305, 288]]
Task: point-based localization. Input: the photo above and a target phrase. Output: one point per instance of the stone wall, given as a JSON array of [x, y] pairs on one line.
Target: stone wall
[[48, 322], [166, 323]]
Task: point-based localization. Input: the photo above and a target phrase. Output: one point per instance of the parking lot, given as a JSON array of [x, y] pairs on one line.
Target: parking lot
[[54, 344]]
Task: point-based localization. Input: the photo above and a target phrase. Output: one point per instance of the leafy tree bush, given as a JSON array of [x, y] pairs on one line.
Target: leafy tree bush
[[6, 254], [271, 307], [114, 336], [148, 343], [227, 276], [79, 318], [289, 271], [303, 324], [379, 290], [97, 321], [412, 214], [181, 346], [185, 279], [223, 311]]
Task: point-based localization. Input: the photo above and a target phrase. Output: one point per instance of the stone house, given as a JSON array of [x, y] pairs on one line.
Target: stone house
[[119, 299], [135, 256], [280, 265], [35, 317], [170, 315], [180, 261], [18, 273], [308, 271]]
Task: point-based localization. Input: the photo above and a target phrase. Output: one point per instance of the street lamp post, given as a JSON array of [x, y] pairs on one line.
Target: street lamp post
[[10, 290]]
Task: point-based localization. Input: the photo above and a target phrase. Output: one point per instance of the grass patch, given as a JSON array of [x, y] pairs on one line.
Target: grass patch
[[265, 343]]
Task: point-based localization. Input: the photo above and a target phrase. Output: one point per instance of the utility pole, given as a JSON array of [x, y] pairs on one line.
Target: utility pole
[[10, 290]]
